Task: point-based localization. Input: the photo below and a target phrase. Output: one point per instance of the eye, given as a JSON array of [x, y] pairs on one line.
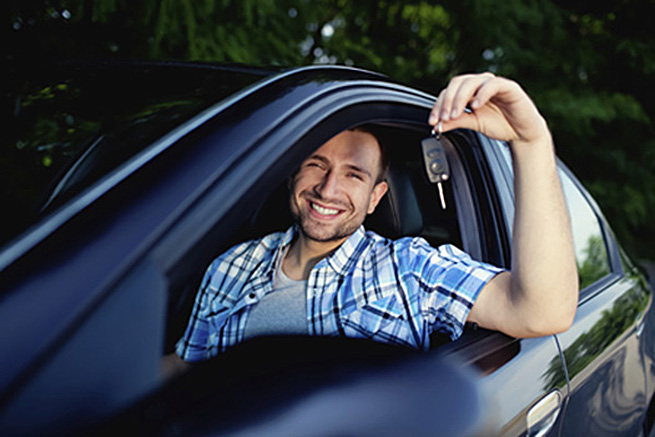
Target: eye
[[314, 164], [355, 176]]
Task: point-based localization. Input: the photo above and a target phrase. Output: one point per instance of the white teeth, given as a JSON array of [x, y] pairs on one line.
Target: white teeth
[[324, 211]]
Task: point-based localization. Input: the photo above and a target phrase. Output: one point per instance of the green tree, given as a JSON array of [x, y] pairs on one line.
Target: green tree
[[588, 65]]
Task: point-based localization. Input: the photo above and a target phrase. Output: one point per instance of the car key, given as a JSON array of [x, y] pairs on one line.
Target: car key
[[436, 163]]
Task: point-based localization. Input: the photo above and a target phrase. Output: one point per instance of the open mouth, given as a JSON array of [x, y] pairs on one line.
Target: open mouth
[[324, 210]]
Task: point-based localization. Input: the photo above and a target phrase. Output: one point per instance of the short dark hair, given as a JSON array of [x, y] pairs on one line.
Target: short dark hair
[[384, 159]]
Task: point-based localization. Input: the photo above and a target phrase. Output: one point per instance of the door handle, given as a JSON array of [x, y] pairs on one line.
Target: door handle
[[542, 416], [640, 327]]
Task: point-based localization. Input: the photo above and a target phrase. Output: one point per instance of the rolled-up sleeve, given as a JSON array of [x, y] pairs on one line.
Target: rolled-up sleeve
[[449, 282], [193, 345]]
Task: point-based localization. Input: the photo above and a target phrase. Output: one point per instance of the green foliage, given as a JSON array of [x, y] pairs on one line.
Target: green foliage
[[589, 66], [594, 265]]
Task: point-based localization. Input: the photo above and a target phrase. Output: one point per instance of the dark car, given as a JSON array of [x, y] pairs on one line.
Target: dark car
[[122, 181]]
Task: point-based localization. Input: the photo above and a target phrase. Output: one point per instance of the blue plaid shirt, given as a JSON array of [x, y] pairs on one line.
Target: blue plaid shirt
[[395, 292]]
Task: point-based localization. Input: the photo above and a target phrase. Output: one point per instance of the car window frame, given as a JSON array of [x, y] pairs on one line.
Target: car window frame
[[306, 136], [488, 198], [307, 140], [615, 268], [176, 253]]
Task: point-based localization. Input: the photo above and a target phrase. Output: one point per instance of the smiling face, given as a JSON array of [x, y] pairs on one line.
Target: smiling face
[[336, 188]]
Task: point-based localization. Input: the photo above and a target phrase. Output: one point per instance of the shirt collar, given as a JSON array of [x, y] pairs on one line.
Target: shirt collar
[[341, 259], [286, 240], [344, 256], [289, 235]]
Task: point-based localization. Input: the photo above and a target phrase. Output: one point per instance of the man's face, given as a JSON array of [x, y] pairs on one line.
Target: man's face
[[335, 187]]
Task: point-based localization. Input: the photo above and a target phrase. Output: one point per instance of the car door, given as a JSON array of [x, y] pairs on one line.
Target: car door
[[606, 357], [514, 371], [511, 371], [604, 349], [517, 396], [228, 212], [89, 296]]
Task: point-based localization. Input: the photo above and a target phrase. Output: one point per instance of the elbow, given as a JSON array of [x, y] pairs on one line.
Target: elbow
[[552, 316], [545, 326], [569, 306], [559, 324]]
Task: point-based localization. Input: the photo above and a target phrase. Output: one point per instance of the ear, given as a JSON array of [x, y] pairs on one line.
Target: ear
[[378, 193]]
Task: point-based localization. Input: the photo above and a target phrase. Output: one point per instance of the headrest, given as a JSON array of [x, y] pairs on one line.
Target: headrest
[[398, 213]]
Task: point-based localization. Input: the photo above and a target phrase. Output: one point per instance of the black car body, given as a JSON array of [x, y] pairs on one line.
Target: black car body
[[161, 167]]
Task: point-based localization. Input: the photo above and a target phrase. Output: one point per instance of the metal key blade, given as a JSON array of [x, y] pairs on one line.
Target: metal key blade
[[441, 195]]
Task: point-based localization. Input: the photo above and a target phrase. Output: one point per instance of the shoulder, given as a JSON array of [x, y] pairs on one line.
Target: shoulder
[[415, 252], [248, 253], [405, 245], [405, 251]]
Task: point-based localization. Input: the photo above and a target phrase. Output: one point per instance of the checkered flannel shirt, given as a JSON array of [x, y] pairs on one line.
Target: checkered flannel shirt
[[396, 292]]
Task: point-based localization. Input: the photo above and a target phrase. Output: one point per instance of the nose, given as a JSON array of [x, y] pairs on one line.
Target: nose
[[328, 187]]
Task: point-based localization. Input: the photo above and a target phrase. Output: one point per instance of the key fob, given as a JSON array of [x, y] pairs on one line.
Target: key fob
[[436, 163]]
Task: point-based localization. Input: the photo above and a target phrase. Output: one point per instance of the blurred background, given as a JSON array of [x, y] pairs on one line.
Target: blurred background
[[589, 65]]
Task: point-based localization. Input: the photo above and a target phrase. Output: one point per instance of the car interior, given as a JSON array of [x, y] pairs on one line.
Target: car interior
[[411, 207]]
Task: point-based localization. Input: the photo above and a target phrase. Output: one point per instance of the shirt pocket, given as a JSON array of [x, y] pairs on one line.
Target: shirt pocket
[[381, 320]]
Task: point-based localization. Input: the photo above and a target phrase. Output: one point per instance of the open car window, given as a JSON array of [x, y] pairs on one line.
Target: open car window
[[411, 208]]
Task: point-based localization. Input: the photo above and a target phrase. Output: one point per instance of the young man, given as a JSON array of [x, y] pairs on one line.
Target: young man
[[328, 276]]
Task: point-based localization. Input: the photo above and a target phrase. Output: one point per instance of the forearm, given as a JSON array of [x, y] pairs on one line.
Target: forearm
[[544, 280]]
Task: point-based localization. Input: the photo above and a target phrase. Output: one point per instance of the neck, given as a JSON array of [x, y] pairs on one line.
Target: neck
[[305, 253]]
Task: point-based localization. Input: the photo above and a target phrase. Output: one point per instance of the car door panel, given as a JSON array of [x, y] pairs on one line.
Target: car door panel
[[604, 361], [111, 359], [514, 371], [513, 376]]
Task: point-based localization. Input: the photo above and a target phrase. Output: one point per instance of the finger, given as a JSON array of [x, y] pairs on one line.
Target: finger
[[464, 121], [467, 91], [436, 109], [457, 95], [488, 90], [461, 91], [447, 96]]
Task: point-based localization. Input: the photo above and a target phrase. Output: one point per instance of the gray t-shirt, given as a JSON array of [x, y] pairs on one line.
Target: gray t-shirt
[[283, 311]]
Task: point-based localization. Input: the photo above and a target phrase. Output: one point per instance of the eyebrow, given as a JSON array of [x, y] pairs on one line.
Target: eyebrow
[[350, 166], [359, 170]]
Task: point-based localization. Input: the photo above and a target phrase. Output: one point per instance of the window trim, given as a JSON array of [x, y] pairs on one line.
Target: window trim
[[613, 257], [488, 209]]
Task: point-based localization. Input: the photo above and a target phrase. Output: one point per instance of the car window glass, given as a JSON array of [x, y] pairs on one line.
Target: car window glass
[[73, 124], [590, 249]]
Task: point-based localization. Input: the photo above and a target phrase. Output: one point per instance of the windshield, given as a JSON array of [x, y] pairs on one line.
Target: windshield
[[72, 124]]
